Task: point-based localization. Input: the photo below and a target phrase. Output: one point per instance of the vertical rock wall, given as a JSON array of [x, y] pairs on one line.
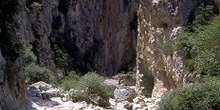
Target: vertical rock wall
[[159, 21], [96, 35]]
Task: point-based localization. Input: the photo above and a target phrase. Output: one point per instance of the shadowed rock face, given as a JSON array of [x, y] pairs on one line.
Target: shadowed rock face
[[160, 21], [96, 35]]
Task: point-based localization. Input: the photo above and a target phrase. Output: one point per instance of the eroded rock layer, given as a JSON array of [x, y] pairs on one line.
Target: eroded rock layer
[[159, 22]]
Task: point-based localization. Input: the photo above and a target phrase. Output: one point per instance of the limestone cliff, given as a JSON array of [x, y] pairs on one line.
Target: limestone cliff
[[98, 35], [159, 22], [93, 35]]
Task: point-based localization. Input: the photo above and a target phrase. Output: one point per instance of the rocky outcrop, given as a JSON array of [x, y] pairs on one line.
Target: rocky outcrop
[[12, 94], [98, 35], [159, 22], [81, 35]]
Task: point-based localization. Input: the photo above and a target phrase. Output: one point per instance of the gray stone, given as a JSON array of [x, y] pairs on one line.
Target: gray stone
[[41, 85], [125, 79], [128, 106], [54, 92], [97, 100], [112, 83], [124, 93], [45, 96]]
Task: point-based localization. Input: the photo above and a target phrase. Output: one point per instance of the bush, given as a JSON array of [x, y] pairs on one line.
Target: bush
[[168, 47], [78, 95], [35, 6], [61, 57], [87, 85], [70, 81], [94, 84], [204, 96], [199, 44], [36, 73], [28, 54]]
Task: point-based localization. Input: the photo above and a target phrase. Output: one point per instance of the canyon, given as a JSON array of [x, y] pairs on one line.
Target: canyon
[[106, 36]]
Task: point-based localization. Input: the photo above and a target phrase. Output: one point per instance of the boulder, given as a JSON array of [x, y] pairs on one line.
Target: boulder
[[45, 96], [139, 99], [123, 105], [54, 92], [99, 101], [112, 102], [33, 91], [41, 85], [124, 93], [113, 83], [141, 106], [125, 79]]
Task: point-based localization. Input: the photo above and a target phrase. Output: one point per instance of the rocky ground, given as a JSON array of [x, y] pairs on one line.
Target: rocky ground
[[44, 96]]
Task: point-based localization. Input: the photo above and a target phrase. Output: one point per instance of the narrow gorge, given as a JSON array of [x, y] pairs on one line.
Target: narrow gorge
[[106, 36]]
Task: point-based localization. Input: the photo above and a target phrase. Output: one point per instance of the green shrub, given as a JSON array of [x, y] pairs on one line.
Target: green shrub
[[61, 57], [70, 81], [168, 47], [207, 63], [199, 44], [37, 73], [89, 84], [78, 95], [35, 6], [28, 54], [203, 96], [94, 84], [167, 101]]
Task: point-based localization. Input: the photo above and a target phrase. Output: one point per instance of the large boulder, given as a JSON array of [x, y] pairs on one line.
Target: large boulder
[[113, 83], [41, 85], [125, 79], [124, 93], [54, 92]]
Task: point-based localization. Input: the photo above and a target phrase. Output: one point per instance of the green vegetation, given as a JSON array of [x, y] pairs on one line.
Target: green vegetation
[[168, 47], [70, 81], [35, 6], [199, 45], [37, 73], [203, 96], [132, 73], [61, 57], [28, 54], [85, 86], [34, 72]]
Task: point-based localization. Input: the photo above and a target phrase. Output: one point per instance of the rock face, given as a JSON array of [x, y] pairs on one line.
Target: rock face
[[12, 88], [81, 35], [88, 35], [98, 35], [159, 21], [124, 93]]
